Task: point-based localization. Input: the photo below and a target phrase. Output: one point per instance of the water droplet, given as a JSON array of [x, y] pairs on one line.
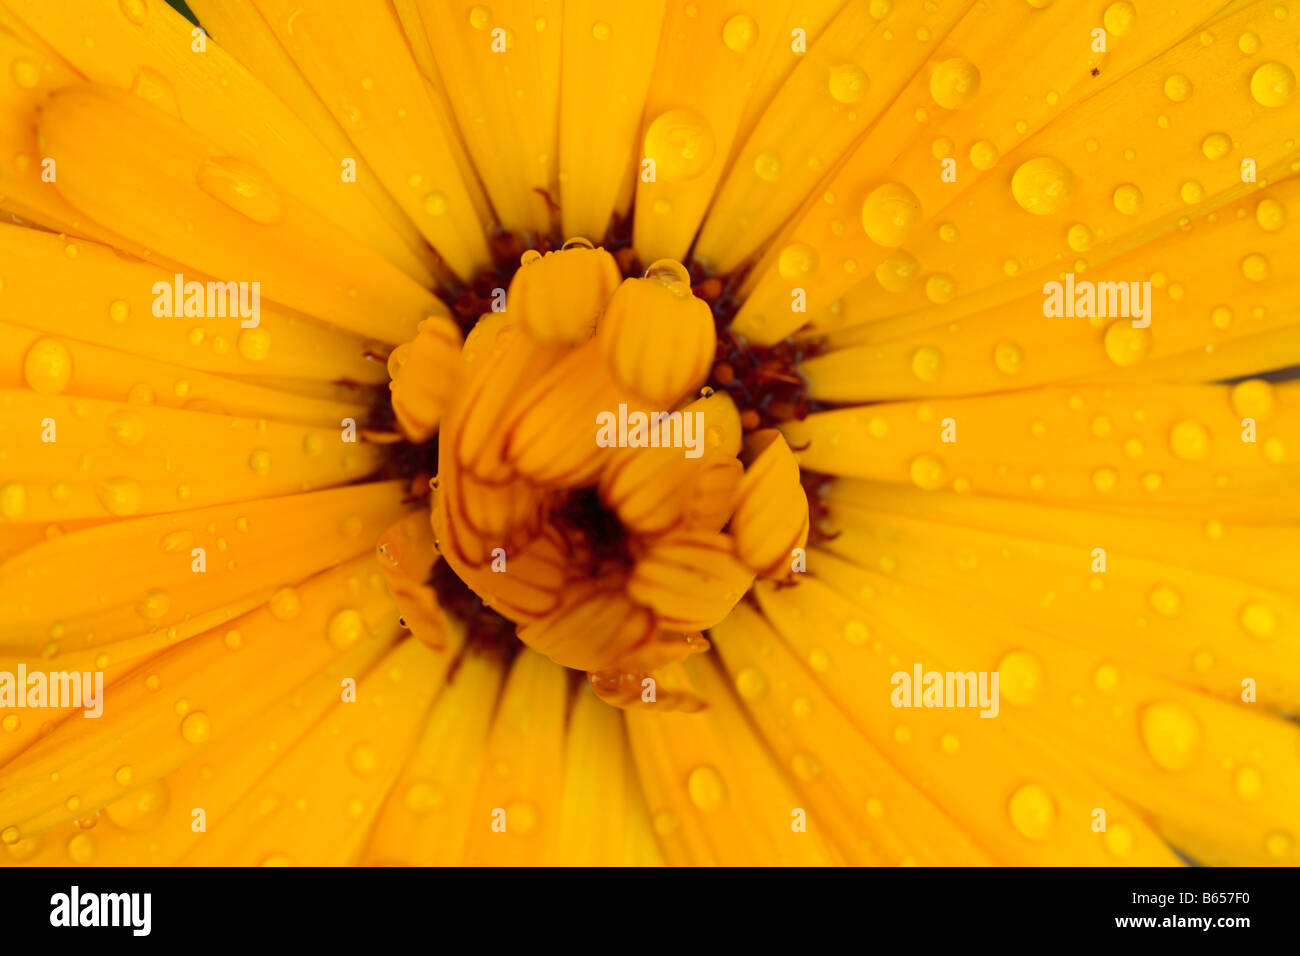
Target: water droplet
[[423, 796], [285, 604], [1032, 811], [126, 427], [1270, 215], [1165, 600], [751, 684], [1171, 734], [1189, 441], [1009, 358], [1126, 345], [134, 10], [120, 496], [1278, 844], [1128, 199], [681, 143], [856, 632], [672, 274], [797, 261], [1256, 267], [1178, 87], [243, 187], [25, 73], [940, 289], [154, 605], [254, 344], [81, 848], [1119, 839], [1272, 85], [954, 83], [847, 83], [345, 628], [739, 33], [196, 727], [155, 89], [707, 789], [927, 363], [1042, 185], [806, 766], [480, 18], [767, 167], [890, 213], [1104, 479], [666, 823], [47, 367], [364, 759], [1248, 783], [984, 155], [1258, 621], [1021, 678], [927, 472], [897, 272], [600, 31], [1119, 18]]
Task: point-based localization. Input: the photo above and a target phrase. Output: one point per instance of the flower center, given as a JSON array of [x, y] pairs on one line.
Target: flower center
[[608, 480]]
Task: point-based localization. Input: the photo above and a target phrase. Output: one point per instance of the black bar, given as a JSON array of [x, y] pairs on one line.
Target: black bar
[[333, 906]]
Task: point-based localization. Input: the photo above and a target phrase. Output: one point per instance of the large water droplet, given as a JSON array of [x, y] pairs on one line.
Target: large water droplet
[[890, 213], [740, 33], [847, 83], [681, 143], [1042, 185], [1272, 85], [1032, 811], [196, 727], [707, 789], [1172, 735], [954, 83], [47, 367], [1021, 678]]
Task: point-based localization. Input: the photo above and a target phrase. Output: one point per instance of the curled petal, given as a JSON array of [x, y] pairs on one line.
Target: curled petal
[[551, 431], [658, 339], [662, 649], [771, 517], [472, 517], [711, 496], [635, 689], [502, 365], [692, 579], [557, 297], [656, 489], [527, 586], [594, 627], [406, 554], [424, 376]]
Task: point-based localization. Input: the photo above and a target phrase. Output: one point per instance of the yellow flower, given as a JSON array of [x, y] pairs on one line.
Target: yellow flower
[[330, 336]]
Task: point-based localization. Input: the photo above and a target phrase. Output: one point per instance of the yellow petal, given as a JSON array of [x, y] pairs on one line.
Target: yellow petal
[[163, 176]]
